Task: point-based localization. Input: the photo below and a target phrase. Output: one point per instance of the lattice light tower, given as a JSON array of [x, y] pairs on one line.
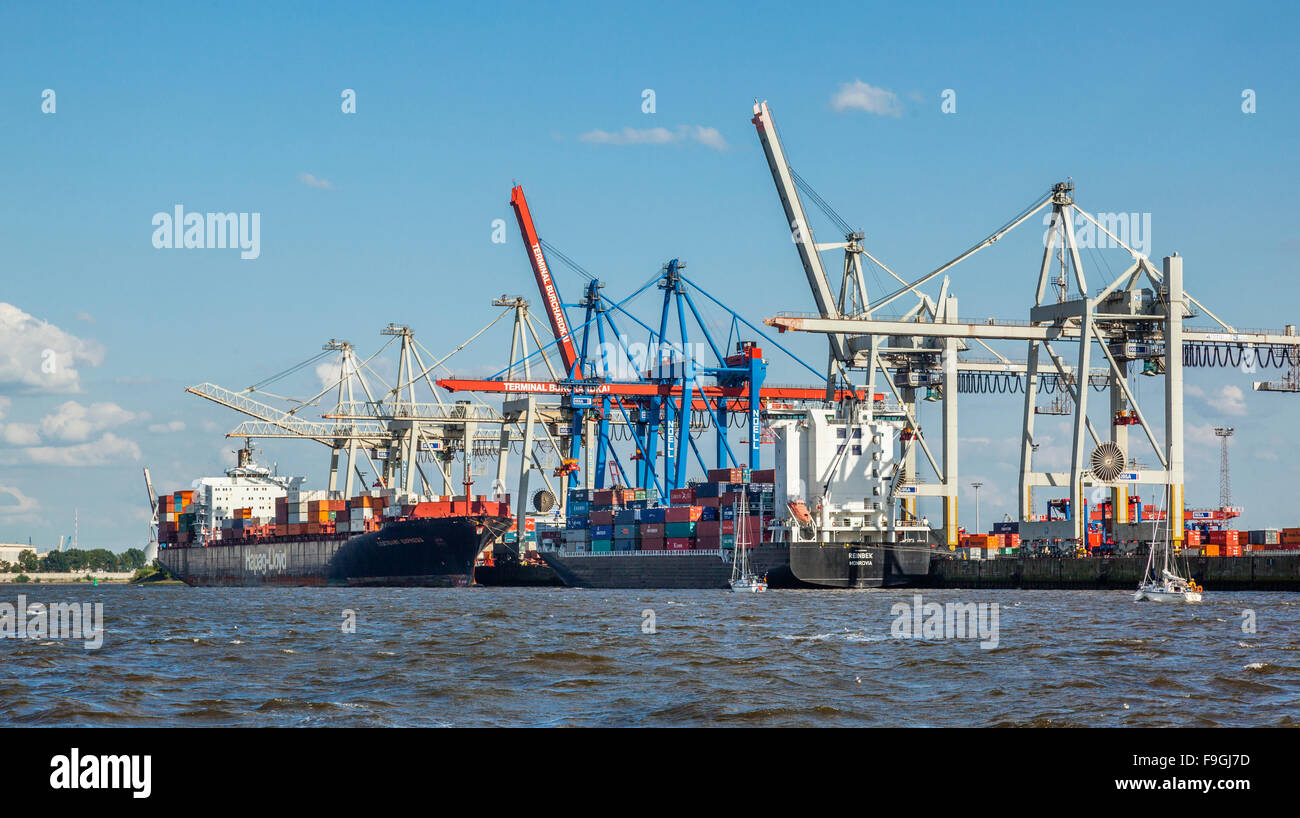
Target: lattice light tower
[[1225, 480]]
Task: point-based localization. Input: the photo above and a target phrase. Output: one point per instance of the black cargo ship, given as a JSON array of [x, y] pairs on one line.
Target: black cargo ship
[[428, 552], [801, 565]]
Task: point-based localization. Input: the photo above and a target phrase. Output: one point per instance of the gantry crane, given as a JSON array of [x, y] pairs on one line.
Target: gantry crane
[[647, 387], [1129, 324], [151, 548]]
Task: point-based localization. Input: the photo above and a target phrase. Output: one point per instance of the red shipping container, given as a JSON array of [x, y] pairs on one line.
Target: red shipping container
[[714, 528], [763, 476], [682, 514], [652, 543], [708, 542], [653, 531], [726, 475], [1232, 550], [678, 543], [681, 497], [601, 517]]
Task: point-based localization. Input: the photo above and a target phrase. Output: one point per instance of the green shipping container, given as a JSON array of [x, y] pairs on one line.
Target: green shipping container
[[728, 540], [673, 530], [602, 545]]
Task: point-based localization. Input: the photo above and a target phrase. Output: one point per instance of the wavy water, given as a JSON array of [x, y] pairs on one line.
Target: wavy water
[[176, 656]]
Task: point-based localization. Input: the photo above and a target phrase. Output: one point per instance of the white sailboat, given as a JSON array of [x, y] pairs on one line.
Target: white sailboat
[[1164, 585], [743, 579]]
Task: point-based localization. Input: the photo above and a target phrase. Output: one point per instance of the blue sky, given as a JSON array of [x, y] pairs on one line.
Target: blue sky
[[229, 107]]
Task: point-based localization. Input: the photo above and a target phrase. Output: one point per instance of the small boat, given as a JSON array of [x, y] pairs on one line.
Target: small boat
[[1165, 585], [743, 579], [1169, 587]]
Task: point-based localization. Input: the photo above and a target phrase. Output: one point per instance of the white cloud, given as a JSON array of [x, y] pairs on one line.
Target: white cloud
[[5, 403], [1227, 400], [170, 426], [859, 96], [702, 134], [20, 434], [109, 450], [312, 181], [22, 504], [709, 137], [73, 423], [631, 136], [1199, 434], [85, 316], [1230, 400], [36, 356], [328, 374]]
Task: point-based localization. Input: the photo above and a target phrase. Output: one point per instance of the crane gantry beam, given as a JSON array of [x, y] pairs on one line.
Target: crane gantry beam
[[326, 433]]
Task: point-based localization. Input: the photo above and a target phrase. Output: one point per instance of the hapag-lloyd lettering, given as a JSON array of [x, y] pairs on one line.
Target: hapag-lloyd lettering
[[261, 562]]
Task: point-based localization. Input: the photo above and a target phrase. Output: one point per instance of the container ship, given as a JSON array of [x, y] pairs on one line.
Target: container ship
[[252, 527], [820, 519]]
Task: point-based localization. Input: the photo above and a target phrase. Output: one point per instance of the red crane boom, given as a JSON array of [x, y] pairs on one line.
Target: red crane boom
[[545, 283]]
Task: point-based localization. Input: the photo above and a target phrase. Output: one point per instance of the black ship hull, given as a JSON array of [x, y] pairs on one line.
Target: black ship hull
[[799, 566], [516, 575], [428, 552], [844, 565], [658, 569]]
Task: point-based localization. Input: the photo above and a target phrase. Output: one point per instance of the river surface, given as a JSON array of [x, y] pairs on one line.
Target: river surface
[[178, 656]]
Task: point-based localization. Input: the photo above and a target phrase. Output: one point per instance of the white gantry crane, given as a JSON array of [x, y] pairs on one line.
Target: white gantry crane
[[151, 548], [908, 360], [390, 428], [1130, 324]]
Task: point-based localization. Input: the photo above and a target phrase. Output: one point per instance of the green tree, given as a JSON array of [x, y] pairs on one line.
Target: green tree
[[55, 562], [132, 559], [22, 578], [28, 561], [101, 559]]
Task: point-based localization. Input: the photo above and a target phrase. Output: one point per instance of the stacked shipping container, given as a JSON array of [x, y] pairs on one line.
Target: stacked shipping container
[[704, 516], [312, 514]]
